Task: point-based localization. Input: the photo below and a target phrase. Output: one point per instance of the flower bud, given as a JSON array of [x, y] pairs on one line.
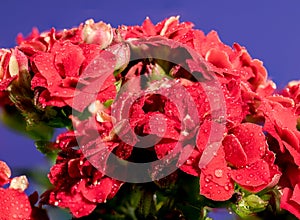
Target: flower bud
[[97, 33]]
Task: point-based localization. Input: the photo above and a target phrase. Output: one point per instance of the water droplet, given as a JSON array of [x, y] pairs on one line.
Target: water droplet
[[208, 178], [239, 177], [219, 173], [227, 187]]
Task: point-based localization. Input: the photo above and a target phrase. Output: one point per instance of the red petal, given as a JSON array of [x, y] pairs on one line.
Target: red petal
[[90, 51], [295, 153], [5, 173], [158, 124], [97, 193], [107, 90], [203, 135], [6, 82], [44, 62], [74, 168], [252, 176], [214, 191], [288, 204], [164, 147], [234, 152], [218, 58], [57, 173], [217, 171], [296, 194], [69, 57], [252, 140], [149, 27], [14, 205], [115, 188], [38, 81], [190, 166], [78, 205], [290, 137], [124, 150], [292, 176]]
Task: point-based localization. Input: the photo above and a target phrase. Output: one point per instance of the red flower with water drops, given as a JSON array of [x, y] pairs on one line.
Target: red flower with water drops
[[170, 28], [281, 124], [293, 91], [12, 63], [252, 163], [14, 203], [78, 185], [290, 182], [60, 72], [215, 181]]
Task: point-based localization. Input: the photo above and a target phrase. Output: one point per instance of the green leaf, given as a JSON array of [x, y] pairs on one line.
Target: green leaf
[[48, 149], [40, 131], [108, 103], [146, 205], [118, 85], [12, 118]]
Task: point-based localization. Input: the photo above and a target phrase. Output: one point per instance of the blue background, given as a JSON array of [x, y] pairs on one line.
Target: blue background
[[270, 31]]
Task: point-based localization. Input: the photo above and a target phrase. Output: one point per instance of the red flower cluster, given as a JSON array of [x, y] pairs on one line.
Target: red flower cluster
[[15, 205], [150, 92], [77, 184]]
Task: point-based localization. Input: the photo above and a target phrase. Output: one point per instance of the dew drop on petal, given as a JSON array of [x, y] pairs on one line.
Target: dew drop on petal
[[227, 187], [219, 173], [239, 177]]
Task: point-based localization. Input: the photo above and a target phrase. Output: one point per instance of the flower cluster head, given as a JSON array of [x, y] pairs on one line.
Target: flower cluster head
[[154, 103], [15, 204]]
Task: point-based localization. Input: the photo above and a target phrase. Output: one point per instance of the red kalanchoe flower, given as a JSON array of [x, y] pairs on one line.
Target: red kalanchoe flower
[[78, 186], [58, 73], [12, 63], [293, 91], [290, 194], [252, 162], [14, 203]]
